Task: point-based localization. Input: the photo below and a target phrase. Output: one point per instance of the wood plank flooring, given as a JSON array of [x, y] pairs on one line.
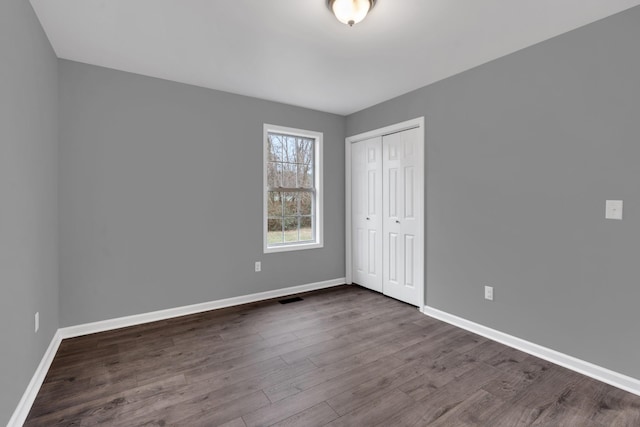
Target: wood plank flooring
[[341, 357]]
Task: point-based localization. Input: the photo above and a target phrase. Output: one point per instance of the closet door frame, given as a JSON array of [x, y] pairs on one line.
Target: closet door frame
[[349, 141]]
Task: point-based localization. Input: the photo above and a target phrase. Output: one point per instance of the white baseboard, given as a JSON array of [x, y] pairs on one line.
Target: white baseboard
[[29, 396], [24, 406], [624, 382], [138, 319]]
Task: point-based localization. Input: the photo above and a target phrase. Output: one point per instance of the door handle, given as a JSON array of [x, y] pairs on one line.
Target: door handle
[[397, 221], [368, 219]]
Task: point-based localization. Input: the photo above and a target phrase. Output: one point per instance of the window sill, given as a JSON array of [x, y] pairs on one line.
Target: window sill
[[290, 248]]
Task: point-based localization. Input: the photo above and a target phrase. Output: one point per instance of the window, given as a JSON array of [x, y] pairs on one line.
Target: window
[[292, 189]]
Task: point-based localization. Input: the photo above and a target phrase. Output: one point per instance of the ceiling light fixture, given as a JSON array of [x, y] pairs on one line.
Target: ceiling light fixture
[[351, 12]]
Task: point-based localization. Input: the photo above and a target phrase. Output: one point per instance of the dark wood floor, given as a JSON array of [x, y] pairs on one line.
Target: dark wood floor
[[341, 357]]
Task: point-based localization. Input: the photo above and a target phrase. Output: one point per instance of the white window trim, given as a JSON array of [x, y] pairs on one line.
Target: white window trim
[[318, 179]]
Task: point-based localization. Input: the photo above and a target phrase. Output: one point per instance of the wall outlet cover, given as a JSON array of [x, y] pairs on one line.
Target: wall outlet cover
[[488, 293], [613, 209]]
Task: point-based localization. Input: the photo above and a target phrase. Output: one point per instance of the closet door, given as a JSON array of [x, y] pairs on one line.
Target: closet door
[[366, 181], [403, 193]]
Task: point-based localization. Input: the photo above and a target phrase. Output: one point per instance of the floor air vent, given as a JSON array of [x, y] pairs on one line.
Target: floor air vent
[[290, 300]]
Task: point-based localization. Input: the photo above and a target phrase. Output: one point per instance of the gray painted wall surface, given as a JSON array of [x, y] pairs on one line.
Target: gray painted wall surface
[[28, 199], [161, 195], [521, 155]]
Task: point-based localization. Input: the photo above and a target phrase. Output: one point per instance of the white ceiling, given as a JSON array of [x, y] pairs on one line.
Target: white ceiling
[[296, 52]]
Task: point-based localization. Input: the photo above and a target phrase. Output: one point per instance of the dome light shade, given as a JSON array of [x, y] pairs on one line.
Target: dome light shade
[[351, 12]]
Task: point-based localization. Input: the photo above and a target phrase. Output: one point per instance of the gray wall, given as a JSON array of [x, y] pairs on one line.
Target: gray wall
[[521, 155], [161, 195], [28, 199]]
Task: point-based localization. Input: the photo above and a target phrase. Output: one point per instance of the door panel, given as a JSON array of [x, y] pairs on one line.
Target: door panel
[[372, 262], [408, 192], [366, 170], [403, 244], [409, 246], [392, 195], [393, 258], [358, 245]]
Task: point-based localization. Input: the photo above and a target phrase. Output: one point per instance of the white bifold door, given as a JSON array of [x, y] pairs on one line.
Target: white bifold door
[[387, 215], [366, 208]]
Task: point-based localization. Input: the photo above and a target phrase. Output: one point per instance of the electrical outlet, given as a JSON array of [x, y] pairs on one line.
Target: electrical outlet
[[613, 209], [488, 293], [258, 266], [37, 321]]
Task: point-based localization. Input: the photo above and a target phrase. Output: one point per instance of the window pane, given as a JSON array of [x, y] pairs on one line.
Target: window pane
[[306, 203], [291, 229], [305, 176], [289, 172], [291, 149], [306, 228], [290, 203], [274, 174], [305, 151], [274, 232], [275, 148], [274, 204]]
